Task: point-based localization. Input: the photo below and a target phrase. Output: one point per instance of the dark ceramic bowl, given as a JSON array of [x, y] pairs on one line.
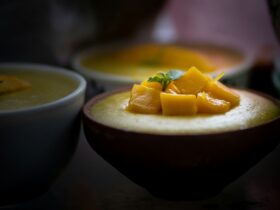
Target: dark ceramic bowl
[[184, 167]]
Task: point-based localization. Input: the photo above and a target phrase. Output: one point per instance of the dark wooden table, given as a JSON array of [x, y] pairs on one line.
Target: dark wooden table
[[89, 183]]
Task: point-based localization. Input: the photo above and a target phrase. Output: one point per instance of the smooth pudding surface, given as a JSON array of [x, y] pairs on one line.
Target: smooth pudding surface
[[139, 62], [220, 57], [253, 110], [45, 87]]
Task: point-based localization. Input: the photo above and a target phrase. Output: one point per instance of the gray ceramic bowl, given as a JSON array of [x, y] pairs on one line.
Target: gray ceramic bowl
[[37, 142]]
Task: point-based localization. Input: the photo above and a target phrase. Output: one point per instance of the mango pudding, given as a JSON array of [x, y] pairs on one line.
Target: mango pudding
[[182, 134], [184, 102], [24, 89], [115, 65], [140, 61]]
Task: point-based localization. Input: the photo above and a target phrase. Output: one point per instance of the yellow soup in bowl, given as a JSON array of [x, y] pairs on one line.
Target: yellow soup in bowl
[[44, 87], [129, 64]]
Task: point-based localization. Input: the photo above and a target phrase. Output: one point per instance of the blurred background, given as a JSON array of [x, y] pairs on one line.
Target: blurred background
[[53, 31]]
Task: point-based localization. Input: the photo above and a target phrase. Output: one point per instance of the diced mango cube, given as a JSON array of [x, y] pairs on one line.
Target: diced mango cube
[[181, 104], [171, 88], [10, 84], [207, 104], [220, 91], [144, 100], [192, 82], [155, 85]]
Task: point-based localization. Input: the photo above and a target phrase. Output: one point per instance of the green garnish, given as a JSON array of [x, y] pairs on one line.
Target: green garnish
[[175, 74], [165, 78], [219, 76]]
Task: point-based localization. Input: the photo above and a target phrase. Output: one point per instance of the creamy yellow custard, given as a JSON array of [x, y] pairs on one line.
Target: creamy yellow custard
[[220, 57], [253, 110], [139, 62], [44, 87]]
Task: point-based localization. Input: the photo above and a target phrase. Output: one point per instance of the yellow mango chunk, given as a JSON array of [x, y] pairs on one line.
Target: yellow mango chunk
[[192, 82], [144, 100], [10, 84], [155, 85], [220, 91], [178, 104], [171, 88], [207, 104]]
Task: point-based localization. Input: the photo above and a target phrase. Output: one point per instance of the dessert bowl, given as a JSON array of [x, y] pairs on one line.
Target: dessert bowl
[[177, 158], [39, 129], [109, 75], [276, 76]]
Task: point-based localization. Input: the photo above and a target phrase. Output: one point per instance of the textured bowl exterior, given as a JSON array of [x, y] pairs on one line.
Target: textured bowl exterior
[[187, 167], [37, 143]]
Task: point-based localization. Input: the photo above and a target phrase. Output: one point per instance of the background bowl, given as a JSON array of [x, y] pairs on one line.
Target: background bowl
[[36, 143], [187, 167], [236, 75], [276, 75]]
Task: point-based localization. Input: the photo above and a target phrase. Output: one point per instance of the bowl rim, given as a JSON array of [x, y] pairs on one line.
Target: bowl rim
[[87, 106], [21, 66], [276, 79], [244, 66]]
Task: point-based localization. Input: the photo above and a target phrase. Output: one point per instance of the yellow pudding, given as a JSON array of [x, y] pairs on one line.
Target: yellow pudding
[[181, 102], [253, 110], [140, 61], [44, 87], [220, 57]]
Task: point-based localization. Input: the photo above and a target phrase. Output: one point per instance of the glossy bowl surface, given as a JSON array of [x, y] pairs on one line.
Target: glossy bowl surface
[[37, 142], [185, 166]]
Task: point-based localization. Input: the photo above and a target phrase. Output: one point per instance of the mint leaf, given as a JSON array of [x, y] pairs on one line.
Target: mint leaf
[[165, 78], [175, 74], [219, 76], [162, 78]]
